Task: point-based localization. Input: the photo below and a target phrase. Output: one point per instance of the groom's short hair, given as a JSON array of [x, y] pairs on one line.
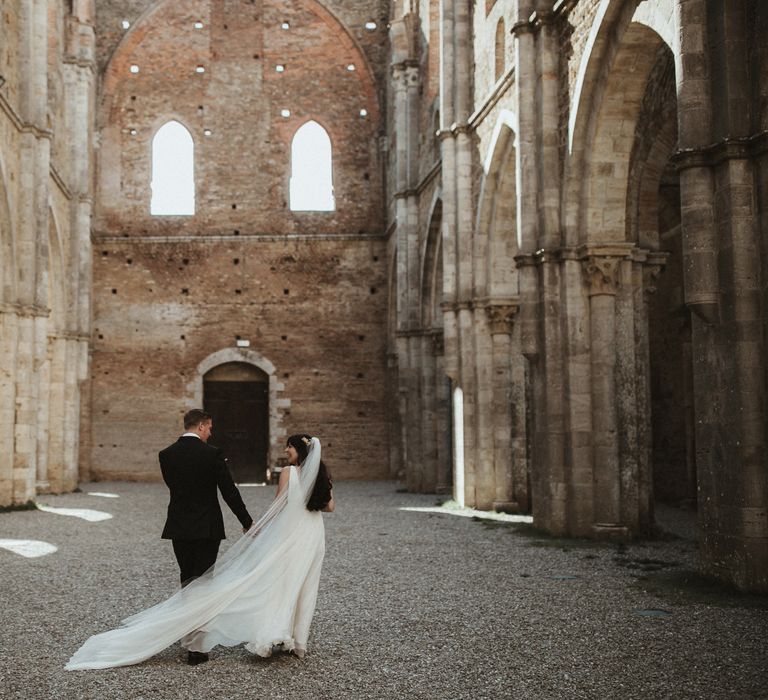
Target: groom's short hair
[[195, 417]]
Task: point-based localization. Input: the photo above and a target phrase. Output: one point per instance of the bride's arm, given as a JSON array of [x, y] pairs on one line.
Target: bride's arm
[[282, 482], [330, 506]]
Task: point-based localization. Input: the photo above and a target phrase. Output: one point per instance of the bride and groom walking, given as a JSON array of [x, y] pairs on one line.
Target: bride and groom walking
[[261, 592]]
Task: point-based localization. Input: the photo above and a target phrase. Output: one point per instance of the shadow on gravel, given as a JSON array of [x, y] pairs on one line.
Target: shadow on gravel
[[684, 587], [541, 538]]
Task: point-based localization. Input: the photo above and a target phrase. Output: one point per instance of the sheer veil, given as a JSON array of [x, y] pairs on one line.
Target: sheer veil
[[245, 569]]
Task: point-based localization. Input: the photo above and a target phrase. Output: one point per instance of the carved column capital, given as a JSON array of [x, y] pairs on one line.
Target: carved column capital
[[602, 274], [501, 315], [600, 264]]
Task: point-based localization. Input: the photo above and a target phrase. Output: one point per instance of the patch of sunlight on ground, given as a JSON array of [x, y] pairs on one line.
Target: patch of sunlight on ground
[[103, 495], [29, 548], [92, 516], [472, 513]]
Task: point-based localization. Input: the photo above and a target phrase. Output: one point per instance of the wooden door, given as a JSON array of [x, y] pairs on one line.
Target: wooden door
[[240, 425]]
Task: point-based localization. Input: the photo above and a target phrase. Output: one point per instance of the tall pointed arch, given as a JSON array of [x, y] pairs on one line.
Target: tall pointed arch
[[173, 171], [312, 169]]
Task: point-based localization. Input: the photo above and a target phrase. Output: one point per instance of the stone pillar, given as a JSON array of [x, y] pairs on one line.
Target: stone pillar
[[42, 484], [449, 223], [443, 418], [8, 347], [651, 265], [32, 249], [405, 77], [429, 424], [57, 413], [510, 491], [722, 268], [549, 148], [395, 430], [602, 271], [485, 476]]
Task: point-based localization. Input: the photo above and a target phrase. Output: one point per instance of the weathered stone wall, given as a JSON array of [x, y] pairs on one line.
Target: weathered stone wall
[[599, 278], [46, 119]]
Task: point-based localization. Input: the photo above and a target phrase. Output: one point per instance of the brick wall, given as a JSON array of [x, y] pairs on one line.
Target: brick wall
[[307, 289]]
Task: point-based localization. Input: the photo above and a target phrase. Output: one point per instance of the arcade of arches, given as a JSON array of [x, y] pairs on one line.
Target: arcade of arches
[[532, 277]]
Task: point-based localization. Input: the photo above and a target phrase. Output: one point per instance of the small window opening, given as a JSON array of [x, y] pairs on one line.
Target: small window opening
[[173, 179], [311, 170]]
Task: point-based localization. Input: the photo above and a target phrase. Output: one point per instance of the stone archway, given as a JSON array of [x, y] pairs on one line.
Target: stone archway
[[610, 189], [277, 406]]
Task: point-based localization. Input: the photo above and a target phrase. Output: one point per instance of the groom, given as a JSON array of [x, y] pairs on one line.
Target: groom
[[193, 470]]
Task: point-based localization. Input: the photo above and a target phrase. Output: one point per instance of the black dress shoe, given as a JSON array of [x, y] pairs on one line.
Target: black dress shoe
[[196, 657]]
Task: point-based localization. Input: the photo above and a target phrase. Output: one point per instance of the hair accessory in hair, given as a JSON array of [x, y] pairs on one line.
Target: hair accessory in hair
[[305, 440]]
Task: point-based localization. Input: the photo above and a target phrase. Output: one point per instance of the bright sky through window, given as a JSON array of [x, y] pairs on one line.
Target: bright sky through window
[[312, 169], [173, 171]]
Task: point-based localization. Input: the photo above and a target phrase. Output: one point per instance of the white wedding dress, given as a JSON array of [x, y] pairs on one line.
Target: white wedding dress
[[261, 592]]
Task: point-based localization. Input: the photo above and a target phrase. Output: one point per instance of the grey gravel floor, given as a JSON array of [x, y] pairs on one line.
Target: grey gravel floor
[[411, 605]]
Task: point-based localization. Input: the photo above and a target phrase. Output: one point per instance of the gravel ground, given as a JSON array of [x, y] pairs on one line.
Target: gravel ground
[[412, 605]]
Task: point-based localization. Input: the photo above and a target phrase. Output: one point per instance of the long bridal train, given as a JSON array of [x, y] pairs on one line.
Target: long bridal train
[[261, 592]]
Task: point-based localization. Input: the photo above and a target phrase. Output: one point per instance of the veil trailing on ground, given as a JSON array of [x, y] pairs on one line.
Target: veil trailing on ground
[[236, 600]]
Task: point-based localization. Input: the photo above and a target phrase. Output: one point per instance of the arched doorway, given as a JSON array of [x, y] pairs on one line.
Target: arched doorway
[[236, 394]]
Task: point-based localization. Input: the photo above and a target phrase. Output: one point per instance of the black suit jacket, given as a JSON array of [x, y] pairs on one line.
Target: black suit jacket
[[193, 470]]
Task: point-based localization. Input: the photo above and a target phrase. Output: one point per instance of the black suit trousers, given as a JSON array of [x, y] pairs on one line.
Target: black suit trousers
[[195, 557]]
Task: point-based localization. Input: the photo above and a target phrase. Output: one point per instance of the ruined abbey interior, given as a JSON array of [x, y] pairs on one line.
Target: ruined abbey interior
[[522, 265]]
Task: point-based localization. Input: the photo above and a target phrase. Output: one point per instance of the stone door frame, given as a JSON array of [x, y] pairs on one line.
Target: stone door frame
[[277, 405]]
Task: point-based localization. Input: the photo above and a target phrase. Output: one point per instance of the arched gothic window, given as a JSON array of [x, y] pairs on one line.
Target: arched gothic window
[[500, 50], [173, 171], [312, 169]]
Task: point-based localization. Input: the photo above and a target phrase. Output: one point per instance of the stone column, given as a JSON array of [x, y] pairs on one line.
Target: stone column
[[694, 105], [651, 264], [80, 74], [485, 381], [721, 244], [429, 424], [57, 413], [42, 484], [601, 272], [443, 418], [32, 241], [449, 225], [8, 348], [508, 490]]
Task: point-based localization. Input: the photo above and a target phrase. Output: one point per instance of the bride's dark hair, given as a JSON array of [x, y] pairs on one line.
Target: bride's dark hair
[[321, 493]]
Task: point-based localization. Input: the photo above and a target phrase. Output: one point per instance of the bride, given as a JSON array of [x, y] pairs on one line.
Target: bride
[[261, 592]]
